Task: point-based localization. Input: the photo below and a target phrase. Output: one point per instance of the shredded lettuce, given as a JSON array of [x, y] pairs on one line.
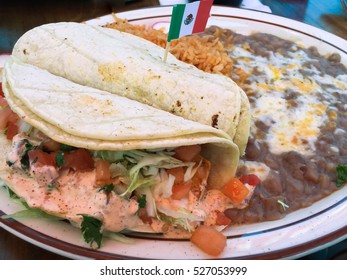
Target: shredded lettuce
[[138, 181], [150, 171], [111, 156], [184, 222], [118, 237], [28, 212], [151, 207], [142, 165], [180, 214], [164, 185], [11, 194], [191, 170], [146, 172], [179, 217], [160, 161], [118, 169], [31, 213]]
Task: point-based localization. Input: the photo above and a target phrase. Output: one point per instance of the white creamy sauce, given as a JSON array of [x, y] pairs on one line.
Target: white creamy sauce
[[200, 209], [254, 167], [291, 128], [44, 173], [76, 194], [68, 194]]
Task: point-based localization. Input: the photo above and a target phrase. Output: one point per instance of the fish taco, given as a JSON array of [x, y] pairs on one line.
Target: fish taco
[[84, 154]]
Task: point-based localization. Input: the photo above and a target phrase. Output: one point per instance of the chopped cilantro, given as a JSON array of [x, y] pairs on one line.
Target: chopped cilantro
[[11, 193], [25, 157], [59, 159], [107, 188], [66, 148], [53, 185], [341, 175], [142, 201], [91, 230]]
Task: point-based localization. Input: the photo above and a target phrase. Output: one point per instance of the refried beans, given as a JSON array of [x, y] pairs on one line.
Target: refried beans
[[299, 121]]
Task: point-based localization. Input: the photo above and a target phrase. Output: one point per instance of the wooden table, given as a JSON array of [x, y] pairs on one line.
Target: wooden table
[[16, 17]]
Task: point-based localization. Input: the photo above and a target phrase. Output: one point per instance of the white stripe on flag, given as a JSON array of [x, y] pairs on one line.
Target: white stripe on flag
[[190, 9]]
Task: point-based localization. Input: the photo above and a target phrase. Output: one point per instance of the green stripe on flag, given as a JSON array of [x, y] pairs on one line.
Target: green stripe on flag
[[176, 21]]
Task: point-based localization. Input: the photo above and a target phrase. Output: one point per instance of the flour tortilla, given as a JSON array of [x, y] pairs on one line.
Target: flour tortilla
[[130, 66], [85, 117]]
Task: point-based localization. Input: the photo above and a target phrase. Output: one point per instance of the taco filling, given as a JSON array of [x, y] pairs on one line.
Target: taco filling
[[107, 163], [162, 189]]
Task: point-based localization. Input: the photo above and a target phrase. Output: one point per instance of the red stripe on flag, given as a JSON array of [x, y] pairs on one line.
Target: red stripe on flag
[[202, 16]]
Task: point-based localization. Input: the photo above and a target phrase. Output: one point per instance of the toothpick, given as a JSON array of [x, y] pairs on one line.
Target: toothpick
[[166, 51]]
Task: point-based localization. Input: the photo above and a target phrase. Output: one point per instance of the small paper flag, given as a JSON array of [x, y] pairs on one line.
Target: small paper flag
[[189, 18]]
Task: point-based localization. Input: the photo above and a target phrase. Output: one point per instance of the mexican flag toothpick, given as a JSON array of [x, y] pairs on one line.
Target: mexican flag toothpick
[[188, 19]]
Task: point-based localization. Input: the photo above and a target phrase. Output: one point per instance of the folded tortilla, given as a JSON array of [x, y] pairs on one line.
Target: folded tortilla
[[133, 67], [88, 118], [85, 117]]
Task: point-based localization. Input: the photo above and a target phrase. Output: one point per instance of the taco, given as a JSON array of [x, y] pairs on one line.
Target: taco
[[81, 153], [133, 67]]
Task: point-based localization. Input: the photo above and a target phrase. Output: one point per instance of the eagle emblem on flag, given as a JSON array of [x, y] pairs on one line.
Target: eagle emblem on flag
[[188, 19]]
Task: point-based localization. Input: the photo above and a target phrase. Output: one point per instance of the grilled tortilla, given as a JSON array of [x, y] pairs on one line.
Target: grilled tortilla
[[130, 66]]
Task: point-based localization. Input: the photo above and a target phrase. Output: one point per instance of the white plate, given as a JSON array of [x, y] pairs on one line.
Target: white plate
[[300, 233]]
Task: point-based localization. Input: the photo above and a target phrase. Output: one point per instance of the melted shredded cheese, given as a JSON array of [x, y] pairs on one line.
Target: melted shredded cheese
[[291, 127]]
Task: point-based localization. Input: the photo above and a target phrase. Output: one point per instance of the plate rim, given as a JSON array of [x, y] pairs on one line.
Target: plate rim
[[235, 12], [74, 251]]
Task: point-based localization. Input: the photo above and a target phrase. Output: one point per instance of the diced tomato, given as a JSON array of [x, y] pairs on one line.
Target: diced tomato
[[235, 190], [209, 240], [5, 114], [12, 130], [3, 101], [13, 117], [250, 179], [142, 213], [42, 158], [178, 172], [187, 153], [78, 160], [102, 168], [1, 92], [180, 191], [222, 219]]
